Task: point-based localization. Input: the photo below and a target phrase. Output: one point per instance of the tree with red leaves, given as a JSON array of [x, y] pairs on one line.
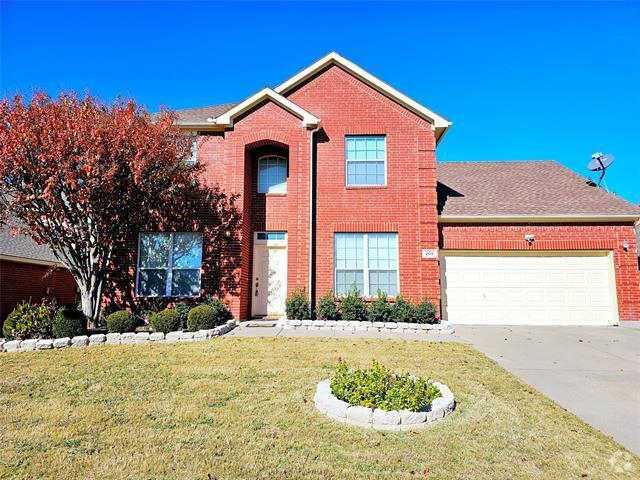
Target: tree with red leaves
[[79, 175]]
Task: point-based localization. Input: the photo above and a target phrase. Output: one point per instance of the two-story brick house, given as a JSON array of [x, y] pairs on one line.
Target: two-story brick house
[[338, 184]]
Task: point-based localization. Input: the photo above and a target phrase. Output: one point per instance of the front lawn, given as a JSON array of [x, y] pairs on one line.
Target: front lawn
[[243, 408]]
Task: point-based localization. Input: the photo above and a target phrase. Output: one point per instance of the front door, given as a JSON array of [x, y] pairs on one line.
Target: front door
[[269, 273]]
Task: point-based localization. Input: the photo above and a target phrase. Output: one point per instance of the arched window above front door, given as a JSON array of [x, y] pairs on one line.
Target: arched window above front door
[[272, 174]]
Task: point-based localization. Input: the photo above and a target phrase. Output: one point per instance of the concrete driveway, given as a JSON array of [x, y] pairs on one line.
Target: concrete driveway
[[594, 372]]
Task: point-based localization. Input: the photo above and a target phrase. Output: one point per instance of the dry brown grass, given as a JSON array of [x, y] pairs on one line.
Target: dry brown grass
[[242, 408]]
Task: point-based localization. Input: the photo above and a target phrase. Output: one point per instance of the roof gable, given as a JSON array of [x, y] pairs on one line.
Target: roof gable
[[226, 119], [439, 123]]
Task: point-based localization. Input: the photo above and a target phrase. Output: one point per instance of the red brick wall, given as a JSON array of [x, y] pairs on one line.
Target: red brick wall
[[24, 281], [231, 161], [559, 237], [407, 205]]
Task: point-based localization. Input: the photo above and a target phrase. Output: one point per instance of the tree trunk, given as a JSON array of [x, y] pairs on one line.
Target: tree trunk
[[91, 296]]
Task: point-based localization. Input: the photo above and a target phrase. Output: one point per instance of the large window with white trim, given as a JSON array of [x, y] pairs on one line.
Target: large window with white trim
[[366, 157], [367, 260], [272, 174], [169, 264]]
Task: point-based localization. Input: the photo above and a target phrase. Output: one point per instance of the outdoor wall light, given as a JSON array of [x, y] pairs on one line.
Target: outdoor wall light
[[625, 245], [529, 238], [47, 290], [227, 233]]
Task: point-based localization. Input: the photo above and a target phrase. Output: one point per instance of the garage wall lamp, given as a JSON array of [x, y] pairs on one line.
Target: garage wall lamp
[[529, 238], [625, 245]]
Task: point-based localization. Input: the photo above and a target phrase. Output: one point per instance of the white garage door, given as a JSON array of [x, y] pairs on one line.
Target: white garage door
[[522, 289]]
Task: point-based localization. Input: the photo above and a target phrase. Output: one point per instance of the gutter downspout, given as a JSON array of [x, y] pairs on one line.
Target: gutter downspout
[[311, 185]]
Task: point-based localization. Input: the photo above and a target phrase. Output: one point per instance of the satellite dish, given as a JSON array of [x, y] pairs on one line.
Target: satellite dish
[[599, 163]]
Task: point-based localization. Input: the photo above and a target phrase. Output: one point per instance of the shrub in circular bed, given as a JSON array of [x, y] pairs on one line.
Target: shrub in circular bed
[[69, 322], [379, 388], [165, 321], [203, 317], [120, 322]]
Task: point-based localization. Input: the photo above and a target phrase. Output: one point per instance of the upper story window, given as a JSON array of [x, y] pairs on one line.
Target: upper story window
[[367, 260], [366, 158], [169, 264], [272, 174], [194, 152]]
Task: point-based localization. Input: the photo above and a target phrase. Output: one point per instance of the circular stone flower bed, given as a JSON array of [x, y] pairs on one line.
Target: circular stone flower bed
[[394, 420]]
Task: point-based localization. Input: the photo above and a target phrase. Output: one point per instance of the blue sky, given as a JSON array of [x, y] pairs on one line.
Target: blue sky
[[519, 80]]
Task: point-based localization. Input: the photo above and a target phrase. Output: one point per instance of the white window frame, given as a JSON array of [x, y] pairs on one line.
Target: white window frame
[[194, 152], [365, 265], [169, 268], [286, 176], [346, 163]]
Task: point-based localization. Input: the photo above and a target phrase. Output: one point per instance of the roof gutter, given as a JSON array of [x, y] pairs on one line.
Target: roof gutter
[[536, 218]]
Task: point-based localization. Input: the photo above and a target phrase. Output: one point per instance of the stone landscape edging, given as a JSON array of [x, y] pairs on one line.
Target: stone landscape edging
[[399, 421], [443, 328], [128, 338]]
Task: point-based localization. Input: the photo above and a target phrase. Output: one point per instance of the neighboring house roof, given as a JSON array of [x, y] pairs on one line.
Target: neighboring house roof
[[214, 117], [22, 248], [538, 189]]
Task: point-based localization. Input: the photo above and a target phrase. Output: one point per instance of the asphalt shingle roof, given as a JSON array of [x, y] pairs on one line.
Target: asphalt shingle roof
[[22, 245], [200, 114], [522, 188]]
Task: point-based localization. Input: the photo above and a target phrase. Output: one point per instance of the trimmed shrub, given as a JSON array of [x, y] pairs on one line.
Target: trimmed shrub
[[28, 320], [69, 322], [381, 310], [165, 321], [353, 307], [202, 317], [403, 310], [182, 310], [10, 324], [297, 305], [379, 388], [224, 314], [327, 308], [425, 312], [120, 322]]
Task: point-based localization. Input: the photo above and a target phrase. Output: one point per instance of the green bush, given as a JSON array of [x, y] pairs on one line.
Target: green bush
[[425, 312], [10, 324], [403, 310], [297, 305], [353, 307], [165, 321], [69, 322], [202, 317], [121, 321], [379, 388], [224, 314], [381, 310], [182, 310], [29, 320], [327, 308]]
